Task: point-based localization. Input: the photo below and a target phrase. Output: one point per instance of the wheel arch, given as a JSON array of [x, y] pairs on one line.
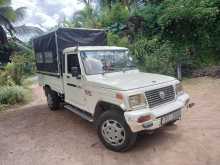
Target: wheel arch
[[46, 88], [103, 106]]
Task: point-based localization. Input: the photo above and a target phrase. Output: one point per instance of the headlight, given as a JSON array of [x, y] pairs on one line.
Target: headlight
[[179, 89], [137, 100]]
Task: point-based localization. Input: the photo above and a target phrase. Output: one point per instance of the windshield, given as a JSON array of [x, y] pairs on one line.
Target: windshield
[[103, 61]]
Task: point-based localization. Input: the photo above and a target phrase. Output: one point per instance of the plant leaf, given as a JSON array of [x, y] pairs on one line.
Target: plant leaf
[[20, 13], [28, 30]]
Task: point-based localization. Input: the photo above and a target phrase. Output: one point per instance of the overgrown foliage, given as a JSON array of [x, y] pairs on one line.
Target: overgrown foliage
[[114, 39], [20, 67], [12, 94], [162, 34], [16, 57], [13, 86]]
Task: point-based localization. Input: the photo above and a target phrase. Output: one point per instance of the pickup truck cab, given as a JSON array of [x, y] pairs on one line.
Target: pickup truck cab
[[102, 85]]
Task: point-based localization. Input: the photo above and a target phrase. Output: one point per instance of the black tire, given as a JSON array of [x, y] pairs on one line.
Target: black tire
[[129, 138], [171, 123], [53, 100]]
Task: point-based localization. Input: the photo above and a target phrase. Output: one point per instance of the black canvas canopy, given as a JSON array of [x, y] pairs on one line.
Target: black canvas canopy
[[49, 47]]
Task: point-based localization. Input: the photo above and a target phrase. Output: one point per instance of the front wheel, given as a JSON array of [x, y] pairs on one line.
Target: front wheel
[[114, 132], [171, 123]]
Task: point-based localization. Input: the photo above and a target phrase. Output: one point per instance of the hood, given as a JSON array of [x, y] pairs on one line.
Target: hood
[[128, 80]]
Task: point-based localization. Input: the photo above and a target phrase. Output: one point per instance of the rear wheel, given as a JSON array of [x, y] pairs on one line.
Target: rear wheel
[[114, 132], [53, 100]]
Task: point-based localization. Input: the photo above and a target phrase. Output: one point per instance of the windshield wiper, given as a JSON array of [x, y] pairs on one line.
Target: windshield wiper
[[112, 69]]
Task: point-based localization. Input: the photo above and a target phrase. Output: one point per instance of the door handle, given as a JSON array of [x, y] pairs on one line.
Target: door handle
[[73, 85]]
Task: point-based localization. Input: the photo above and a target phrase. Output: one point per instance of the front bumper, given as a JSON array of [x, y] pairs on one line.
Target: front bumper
[[131, 117]]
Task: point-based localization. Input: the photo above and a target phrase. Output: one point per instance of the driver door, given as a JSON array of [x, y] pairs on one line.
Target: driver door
[[73, 86]]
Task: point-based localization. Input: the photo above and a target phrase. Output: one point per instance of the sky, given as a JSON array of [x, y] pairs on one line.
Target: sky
[[47, 13]]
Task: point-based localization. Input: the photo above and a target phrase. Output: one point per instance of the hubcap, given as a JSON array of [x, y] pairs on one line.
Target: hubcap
[[113, 132]]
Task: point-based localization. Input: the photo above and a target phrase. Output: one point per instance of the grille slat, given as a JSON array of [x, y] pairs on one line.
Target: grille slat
[[158, 97], [154, 99], [158, 101]]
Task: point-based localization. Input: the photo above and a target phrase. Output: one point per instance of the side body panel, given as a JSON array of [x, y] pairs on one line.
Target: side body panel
[[95, 95], [55, 82]]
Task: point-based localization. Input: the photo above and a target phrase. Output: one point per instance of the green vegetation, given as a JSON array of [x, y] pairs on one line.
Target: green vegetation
[[14, 83], [12, 75], [162, 34], [12, 95], [14, 87]]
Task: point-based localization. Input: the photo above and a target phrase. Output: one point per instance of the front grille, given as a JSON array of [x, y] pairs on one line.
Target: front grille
[[160, 96]]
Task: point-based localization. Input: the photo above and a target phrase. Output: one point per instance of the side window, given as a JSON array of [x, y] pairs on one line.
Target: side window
[[72, 61], [48, 57], [39, 58]]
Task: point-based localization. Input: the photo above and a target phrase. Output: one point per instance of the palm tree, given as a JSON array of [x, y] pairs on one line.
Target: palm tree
[[88, 17], [8, 19]]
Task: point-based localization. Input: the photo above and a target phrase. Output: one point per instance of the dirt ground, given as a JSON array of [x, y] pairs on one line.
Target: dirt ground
[[33, 135]]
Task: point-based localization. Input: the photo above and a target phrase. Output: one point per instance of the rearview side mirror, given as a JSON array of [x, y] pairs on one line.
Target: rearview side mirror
[[75, 72]]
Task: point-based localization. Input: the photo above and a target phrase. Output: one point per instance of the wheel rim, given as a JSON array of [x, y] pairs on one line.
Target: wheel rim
[[49, 99], [113, 132]]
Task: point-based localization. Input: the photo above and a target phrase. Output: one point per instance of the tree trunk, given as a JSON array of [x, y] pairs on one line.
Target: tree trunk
[[179, 71], [3, 36]]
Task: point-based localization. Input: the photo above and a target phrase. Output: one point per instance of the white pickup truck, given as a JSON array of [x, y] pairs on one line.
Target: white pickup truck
[[102, 85]]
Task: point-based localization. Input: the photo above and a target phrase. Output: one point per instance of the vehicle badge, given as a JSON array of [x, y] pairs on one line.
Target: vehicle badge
[[162, 95]]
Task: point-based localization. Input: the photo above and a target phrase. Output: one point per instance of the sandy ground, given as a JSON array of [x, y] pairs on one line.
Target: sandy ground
[[33, 135]]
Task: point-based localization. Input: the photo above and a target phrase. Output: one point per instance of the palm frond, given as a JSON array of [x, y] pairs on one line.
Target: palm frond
[[6, 23], [8, 12], [5, 2], [28, 30], [22, 45], [20, 13]]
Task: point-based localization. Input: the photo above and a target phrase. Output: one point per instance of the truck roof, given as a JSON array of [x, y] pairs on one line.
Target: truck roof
[[82, 48], [58, 29]]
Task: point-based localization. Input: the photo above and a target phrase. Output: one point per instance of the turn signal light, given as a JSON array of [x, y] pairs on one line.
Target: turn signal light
[[119, 96], [144, 119]]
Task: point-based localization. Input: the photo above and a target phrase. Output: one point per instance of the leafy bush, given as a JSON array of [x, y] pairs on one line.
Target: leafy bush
[[5, 79], [12, 95], [14, 72], [153, 55], [117, 14], [88, 17], [25, 61], [114, 39]]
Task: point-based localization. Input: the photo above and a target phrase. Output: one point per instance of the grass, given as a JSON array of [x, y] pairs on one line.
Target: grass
[[16, 95]]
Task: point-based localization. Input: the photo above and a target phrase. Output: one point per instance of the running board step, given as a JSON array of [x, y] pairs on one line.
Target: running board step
[[83, 114]]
